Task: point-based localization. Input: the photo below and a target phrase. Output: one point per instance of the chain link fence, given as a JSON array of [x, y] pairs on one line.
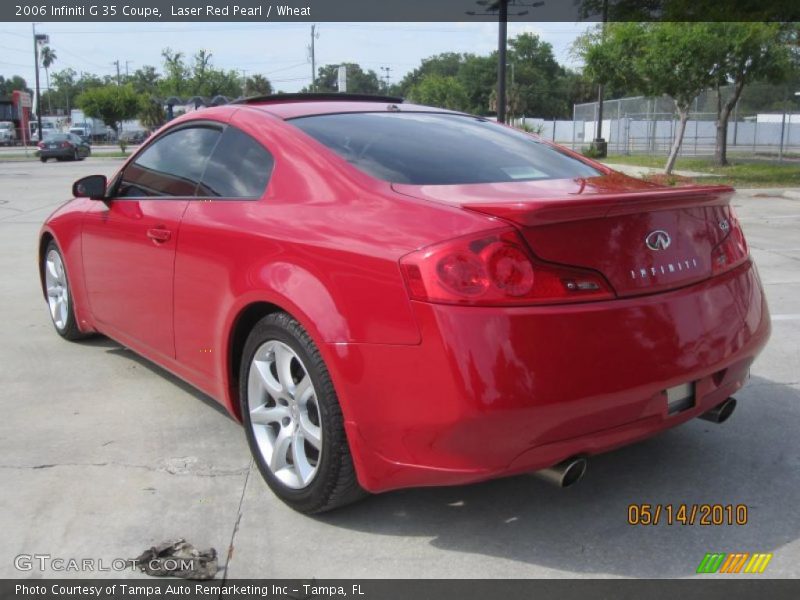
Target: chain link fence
[[766, 120]]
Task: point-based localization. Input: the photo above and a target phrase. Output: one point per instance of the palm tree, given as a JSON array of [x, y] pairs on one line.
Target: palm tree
[[48, 56]]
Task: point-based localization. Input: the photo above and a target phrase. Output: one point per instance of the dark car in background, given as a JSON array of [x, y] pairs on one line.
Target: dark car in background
[[63, 146]]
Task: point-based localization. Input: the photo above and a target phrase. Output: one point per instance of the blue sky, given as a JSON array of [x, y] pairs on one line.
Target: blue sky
[[277, 50]]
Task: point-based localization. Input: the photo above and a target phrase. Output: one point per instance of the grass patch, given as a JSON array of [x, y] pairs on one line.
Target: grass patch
[[740, 173]]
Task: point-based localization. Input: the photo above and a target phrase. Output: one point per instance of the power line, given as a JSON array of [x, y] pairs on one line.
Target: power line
[[88, 62], [295, 66], [2, 62], [14, 49]]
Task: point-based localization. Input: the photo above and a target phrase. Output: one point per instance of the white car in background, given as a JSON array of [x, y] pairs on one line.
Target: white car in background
[[8, 133]]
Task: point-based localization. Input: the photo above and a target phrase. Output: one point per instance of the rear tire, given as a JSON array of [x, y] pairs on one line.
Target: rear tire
[[293, 420], [59, 294], [43, 159]]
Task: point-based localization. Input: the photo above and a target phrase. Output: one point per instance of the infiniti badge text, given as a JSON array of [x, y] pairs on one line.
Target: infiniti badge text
[[674, 267]]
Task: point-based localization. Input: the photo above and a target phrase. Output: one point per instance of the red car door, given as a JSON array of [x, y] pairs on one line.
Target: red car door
[[129, 240]]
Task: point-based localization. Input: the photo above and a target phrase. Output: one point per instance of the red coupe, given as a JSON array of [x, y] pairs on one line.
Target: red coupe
[[390, 295]]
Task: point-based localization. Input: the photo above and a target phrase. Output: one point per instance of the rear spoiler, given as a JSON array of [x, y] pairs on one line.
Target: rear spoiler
[[545, 211]]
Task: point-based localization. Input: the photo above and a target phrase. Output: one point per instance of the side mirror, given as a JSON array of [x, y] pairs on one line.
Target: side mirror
[[92, 187]]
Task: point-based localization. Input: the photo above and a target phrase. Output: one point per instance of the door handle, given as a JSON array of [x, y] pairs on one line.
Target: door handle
[[159, 235]]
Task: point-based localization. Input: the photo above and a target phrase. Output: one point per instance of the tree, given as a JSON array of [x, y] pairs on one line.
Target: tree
[[257, 85], [447, 64], [537, 83], [176, 72], [536, 87], [218, 82], [111, 103], [14, 83], [64, 88], [676, 59], [151, 112], [358, 80], [88, 81], [145, 80], [48, 56], [200, 70], [440, 90], [746, 52], [477, 76], [201, 79]]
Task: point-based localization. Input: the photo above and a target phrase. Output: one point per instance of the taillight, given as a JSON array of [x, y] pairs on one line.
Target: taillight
[[495, 269], [731, 251], [40, 145], [65, 144]]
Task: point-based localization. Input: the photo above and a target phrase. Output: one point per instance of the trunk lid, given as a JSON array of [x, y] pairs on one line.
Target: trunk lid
[[642, 237]]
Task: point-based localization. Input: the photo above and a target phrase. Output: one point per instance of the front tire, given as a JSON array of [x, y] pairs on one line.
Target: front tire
[[59, 296], [293, 420]]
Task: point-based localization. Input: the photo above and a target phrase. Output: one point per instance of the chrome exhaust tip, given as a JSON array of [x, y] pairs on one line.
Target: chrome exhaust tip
[[564, 474], [721, 412]]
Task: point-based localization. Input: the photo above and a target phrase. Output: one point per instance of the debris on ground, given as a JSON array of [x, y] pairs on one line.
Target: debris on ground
[[178, 559]]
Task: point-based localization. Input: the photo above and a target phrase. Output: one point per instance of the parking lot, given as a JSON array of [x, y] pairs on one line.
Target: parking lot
[[103, 454]]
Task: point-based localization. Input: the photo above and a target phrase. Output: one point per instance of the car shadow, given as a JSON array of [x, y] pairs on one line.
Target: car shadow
[[115, 348], [751, 459]]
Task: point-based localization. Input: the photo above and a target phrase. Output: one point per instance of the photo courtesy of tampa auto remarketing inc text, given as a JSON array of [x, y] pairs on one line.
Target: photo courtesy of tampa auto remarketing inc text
[[461, 299]]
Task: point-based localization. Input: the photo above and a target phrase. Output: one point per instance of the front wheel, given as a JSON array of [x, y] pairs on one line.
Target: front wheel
[[59, 296], [293, 420]]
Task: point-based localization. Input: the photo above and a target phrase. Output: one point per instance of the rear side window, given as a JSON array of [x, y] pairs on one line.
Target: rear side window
[[439, 149], [239, 167], [172, 165]]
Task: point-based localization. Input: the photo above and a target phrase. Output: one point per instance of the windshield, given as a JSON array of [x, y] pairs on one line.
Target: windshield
[[439, 149], [58, 137]]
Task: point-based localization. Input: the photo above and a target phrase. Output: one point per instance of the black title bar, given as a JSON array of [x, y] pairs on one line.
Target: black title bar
[[397, 10], [707, 588]]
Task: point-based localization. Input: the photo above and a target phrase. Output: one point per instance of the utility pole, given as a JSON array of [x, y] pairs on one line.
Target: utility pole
[[599, 144], [244, 82], [116, 62], [37, 39], [314, 36], [502, 43], [386, 71], [501, 6], [127, 62]]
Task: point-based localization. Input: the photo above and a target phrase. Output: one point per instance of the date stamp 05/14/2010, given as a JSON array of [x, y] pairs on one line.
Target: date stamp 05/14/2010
[[704, 515]]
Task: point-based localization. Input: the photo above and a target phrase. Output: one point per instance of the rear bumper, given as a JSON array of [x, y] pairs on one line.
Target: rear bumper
[[497, 391]]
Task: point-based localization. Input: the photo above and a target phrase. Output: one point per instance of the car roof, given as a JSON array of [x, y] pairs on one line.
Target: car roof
[[290, 106]]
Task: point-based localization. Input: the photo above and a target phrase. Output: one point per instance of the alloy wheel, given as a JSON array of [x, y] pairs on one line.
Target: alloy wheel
[[57, 291], [284, 414]]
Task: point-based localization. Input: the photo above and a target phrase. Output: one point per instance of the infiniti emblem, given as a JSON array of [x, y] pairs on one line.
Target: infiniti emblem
[[658, 240]]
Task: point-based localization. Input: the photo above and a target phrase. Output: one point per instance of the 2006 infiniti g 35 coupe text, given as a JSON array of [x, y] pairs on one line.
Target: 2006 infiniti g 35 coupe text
[[391, 295]]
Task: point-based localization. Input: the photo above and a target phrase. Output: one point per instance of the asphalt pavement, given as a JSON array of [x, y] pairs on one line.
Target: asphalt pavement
[[103, 454]]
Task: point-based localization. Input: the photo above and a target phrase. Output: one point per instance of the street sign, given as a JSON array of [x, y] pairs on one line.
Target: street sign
[[25, 100], [342, 78]]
